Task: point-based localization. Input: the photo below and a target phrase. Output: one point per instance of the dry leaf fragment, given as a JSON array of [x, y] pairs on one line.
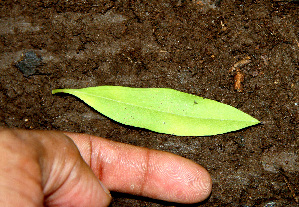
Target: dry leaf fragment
[[238, 78], [240, 63]]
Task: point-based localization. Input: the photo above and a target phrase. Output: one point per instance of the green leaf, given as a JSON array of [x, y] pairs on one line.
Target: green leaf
[[163, 110]]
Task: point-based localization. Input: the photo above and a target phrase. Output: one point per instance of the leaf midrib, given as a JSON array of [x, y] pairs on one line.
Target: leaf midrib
[[156, 109]]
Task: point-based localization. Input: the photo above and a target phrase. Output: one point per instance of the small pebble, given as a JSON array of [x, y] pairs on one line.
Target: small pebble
[[29, 63]]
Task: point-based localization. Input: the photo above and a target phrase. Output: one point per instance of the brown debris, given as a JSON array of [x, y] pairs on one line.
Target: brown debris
[[238, 78], [240, 63]]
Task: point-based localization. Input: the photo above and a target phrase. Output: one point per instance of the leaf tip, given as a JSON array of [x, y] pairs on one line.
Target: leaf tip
[[256, 121], [56, 91]]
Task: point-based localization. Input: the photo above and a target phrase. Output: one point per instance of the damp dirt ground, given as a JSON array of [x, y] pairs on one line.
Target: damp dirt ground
[[242, 53]]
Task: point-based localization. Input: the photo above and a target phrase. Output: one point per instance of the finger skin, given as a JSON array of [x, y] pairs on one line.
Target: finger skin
[[145, 172], [19, 171], [49, 165], [39, 168]]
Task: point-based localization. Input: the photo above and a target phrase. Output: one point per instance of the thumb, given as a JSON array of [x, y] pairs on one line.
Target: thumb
[[71, 182], [46, 169]]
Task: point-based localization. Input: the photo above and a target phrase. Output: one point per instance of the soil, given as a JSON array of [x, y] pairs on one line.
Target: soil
[[244, 54]]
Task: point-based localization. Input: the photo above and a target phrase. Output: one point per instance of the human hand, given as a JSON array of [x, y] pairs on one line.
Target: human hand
[[46, 168]]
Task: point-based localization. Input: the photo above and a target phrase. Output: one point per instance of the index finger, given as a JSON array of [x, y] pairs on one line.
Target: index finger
[[140, 171]]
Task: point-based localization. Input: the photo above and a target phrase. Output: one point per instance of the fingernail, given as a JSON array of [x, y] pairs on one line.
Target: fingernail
[[104, 188]]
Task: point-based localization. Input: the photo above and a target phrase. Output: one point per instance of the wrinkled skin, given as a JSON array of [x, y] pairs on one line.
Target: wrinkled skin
[[63, 169]]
